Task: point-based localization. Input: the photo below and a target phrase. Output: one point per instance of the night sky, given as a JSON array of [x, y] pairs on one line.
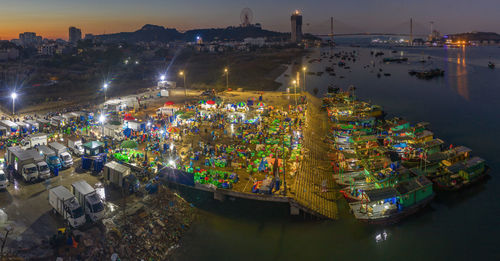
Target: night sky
[[51, 18]]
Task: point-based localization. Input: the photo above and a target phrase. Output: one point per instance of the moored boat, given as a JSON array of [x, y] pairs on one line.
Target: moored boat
[[390, 205]]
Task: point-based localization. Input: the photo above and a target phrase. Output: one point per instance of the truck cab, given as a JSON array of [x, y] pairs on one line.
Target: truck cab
[[94, 207], [54, 162], [66, 159], [4, 182], [43, 170], [30, 172], [76, 147]]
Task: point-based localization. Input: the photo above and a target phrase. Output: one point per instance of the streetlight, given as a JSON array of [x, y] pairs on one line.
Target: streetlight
[[295, 88], [162, 77], [13, 96], [183, 75], [102, 118], [105, 87], [226, 71], [304, 69]]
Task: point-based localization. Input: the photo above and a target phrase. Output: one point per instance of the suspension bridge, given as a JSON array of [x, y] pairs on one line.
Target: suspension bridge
[[334, 27]]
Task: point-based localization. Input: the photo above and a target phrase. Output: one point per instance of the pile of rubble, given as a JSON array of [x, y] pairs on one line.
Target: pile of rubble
[[149, 229]]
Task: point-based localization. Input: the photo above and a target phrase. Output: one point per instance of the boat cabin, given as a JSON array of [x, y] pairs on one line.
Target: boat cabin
[[413, 191], [424, 136], [468, 169]]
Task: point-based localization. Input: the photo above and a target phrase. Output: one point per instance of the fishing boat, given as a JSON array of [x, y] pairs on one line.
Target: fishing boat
[[427, 74], [390, 205], [461, 174], [395, 59]]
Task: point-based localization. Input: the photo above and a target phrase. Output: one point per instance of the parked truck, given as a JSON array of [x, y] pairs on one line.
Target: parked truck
[[34, 140], [75, 146], [88, 199], [22, 163], [66, 204], [62, 152], [50, 157], [120, 175]]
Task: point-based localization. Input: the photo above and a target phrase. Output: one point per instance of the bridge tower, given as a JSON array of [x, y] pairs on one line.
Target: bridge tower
[[411, 32]]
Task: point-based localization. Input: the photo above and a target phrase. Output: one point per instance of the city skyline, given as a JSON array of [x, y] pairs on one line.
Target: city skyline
[[52, 18]]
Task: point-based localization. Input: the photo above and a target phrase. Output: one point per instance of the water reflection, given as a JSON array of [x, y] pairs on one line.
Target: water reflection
[[461, 76], [381, 237]]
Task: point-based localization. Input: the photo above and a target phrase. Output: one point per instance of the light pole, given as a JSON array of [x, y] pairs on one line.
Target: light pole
[[105, 87], [304, 69], [102, 118], [226, 71], [13, 96], [183, 74], [295, 89]]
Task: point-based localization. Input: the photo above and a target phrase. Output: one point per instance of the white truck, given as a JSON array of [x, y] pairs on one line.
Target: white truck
[[4, 182], [34, 140], [89, 199], [75, 146], [66, 204], [10, 126], [62, 152], [23, 162], [58, 121]]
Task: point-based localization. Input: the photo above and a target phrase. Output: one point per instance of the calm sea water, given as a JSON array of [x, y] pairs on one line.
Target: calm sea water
[[463, 108]]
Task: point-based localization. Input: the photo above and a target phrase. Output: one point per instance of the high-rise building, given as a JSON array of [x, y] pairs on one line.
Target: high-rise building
[[75, 35], [296, 27], [28, 39]]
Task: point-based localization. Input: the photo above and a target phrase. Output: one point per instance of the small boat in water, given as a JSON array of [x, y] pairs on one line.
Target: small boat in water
[[461, 174], [390, 205], [427, 74], [491, 65]]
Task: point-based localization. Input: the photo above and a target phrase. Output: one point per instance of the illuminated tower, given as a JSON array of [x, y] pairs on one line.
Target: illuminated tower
[[296, 27]]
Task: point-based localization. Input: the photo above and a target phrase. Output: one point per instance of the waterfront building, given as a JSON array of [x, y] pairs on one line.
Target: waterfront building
[[296, 34]]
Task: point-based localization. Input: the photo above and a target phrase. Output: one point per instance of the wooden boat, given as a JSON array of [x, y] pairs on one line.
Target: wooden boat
[[461, 174], [390, 205]]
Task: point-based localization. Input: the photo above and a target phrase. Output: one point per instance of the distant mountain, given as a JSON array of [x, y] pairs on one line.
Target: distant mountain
[[476, 36], [232, 33], [149, 33]]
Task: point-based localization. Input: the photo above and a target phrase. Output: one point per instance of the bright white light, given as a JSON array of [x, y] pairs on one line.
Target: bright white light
[[13, 95], [171, 146], [136, 62], [105, 86], [162, 77], [171, 163], [162, 131], [149, 123], [101, 118]]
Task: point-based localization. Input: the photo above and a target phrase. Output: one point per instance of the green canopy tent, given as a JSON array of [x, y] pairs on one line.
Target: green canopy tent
[[129, 144]]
